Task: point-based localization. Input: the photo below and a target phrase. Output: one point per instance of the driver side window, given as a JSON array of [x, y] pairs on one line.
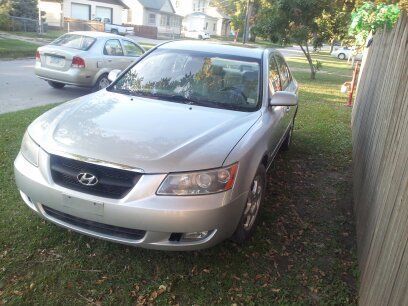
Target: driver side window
[[273, 76]]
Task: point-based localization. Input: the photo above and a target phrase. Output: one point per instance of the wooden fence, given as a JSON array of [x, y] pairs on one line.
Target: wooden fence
[[380, 157], [71, 24], [144, 31]]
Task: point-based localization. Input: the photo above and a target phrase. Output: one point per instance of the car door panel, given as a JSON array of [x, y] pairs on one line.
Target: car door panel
[[113, 56], [289, 85], [275, 114]]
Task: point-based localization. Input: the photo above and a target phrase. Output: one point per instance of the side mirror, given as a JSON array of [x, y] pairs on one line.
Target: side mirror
[[113, 75], [283, 98]]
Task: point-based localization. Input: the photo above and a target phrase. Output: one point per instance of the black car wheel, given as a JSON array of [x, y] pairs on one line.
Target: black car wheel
[[56, 85]]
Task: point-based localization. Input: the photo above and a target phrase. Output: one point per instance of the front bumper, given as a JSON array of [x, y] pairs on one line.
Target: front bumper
[[141, 209]]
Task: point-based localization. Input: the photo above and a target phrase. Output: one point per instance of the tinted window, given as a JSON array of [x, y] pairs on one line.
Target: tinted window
[[113, 47], [131, 49], [206, 79], [74, 41], [274, 79], [284, 71]]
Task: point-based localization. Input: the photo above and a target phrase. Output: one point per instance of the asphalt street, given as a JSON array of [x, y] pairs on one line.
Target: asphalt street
[[21, 89]]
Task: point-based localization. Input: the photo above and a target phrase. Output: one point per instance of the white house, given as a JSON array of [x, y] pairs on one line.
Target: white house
[[200, 15], [155, 13], [56, 10]]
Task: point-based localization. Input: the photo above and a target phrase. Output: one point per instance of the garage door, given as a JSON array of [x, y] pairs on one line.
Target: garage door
[[104, 12], [80, 11]]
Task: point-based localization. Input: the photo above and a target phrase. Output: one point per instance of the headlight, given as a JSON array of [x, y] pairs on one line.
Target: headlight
[[29, 149], [200, 182]]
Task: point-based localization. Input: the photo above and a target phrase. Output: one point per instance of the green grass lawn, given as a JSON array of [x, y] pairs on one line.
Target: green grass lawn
[[51, 34], [303, 251], [13, 48]]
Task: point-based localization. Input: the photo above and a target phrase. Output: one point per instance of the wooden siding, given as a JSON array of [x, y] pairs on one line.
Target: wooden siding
[[380, 159]]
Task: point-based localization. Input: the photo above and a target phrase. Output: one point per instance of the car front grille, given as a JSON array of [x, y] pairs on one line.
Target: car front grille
[[112, 183], [99, 228]]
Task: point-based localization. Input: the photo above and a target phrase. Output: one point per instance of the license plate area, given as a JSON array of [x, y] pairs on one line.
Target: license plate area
[[55, 61], [81, 207]]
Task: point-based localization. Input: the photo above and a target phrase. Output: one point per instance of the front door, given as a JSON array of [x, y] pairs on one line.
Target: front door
[[275, 114]]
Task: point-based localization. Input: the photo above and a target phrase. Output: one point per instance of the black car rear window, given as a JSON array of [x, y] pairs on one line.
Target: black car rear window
[[74, 41]]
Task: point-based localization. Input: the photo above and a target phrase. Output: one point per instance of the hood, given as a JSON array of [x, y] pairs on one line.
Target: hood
[[152, 135]]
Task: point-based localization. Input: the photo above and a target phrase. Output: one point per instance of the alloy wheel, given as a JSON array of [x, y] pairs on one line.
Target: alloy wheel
[[253, 203], [103, 83]]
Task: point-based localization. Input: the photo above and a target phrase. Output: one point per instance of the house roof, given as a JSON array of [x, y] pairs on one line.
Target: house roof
[[156, 4], [200, 14]]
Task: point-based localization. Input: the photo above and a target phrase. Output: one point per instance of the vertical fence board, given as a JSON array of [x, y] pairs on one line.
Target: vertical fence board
[[380, 161]]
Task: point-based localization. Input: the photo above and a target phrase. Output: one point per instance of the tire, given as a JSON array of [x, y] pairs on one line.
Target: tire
[[56, 85], [200, 37], [101, 83], [250, 214], [341, 56], [115, 31], [288, 139]]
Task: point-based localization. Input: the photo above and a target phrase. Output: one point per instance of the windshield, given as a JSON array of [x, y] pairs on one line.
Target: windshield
[[74, 41], [205, 79]]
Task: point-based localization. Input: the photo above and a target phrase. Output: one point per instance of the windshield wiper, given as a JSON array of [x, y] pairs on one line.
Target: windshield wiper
[[175, 98]]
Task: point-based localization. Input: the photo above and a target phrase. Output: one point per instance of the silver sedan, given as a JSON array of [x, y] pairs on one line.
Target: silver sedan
[[172, 155], [85, 59]]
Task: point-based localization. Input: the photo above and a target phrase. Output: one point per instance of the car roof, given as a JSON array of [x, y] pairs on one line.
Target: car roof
[[215, 47], [95, 34]]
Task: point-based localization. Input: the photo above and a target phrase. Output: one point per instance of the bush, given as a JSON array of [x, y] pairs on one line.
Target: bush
[[4, 21]]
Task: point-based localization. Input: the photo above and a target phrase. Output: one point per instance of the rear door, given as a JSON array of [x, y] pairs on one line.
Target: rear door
[[288, 85], [113, 55], [131, 50]]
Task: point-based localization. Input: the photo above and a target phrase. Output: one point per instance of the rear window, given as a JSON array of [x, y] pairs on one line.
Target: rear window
[[74, 41]]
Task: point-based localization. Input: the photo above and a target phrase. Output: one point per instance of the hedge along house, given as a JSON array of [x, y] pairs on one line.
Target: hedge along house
[[57, 10], [155, 13]]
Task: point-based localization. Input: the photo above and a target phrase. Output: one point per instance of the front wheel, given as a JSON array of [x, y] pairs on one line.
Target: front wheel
[[56, 85], [102, 82], [249, 218], [342, 56]]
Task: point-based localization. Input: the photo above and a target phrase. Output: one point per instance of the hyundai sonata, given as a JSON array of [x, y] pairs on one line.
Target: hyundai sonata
[[172, 155]]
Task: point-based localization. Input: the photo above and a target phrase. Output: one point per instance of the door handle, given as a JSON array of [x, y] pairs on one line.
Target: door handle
[[287, 109]]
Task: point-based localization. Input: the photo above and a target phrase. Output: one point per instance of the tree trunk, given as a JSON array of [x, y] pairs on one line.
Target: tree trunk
[[309, 60], [332, 45]]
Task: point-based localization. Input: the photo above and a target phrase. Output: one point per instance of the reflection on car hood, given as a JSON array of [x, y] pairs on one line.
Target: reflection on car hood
[[153, 135]]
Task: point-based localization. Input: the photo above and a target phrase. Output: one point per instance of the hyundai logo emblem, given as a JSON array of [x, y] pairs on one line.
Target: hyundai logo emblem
[[87, 179]]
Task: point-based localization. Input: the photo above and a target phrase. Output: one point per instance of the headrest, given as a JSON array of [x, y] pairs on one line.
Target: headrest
[[250, 76]]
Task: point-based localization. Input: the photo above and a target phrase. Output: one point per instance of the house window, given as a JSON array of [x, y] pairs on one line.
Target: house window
[[129, 16], [177, 3], [194, 7], [206, 26], [215, 27], [152, 19]]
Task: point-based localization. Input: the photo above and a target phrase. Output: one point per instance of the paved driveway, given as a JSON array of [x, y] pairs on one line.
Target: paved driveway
[[21, 89]]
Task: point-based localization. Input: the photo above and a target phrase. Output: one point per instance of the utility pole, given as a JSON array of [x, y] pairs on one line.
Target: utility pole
[[245, 34]]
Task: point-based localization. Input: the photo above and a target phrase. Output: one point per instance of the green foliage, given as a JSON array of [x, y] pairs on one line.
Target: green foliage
[[4, 16], [24, 8], [370, 17], [318, 65]]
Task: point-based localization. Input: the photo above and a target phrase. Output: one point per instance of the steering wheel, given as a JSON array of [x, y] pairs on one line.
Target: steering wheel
[[237, 91]]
